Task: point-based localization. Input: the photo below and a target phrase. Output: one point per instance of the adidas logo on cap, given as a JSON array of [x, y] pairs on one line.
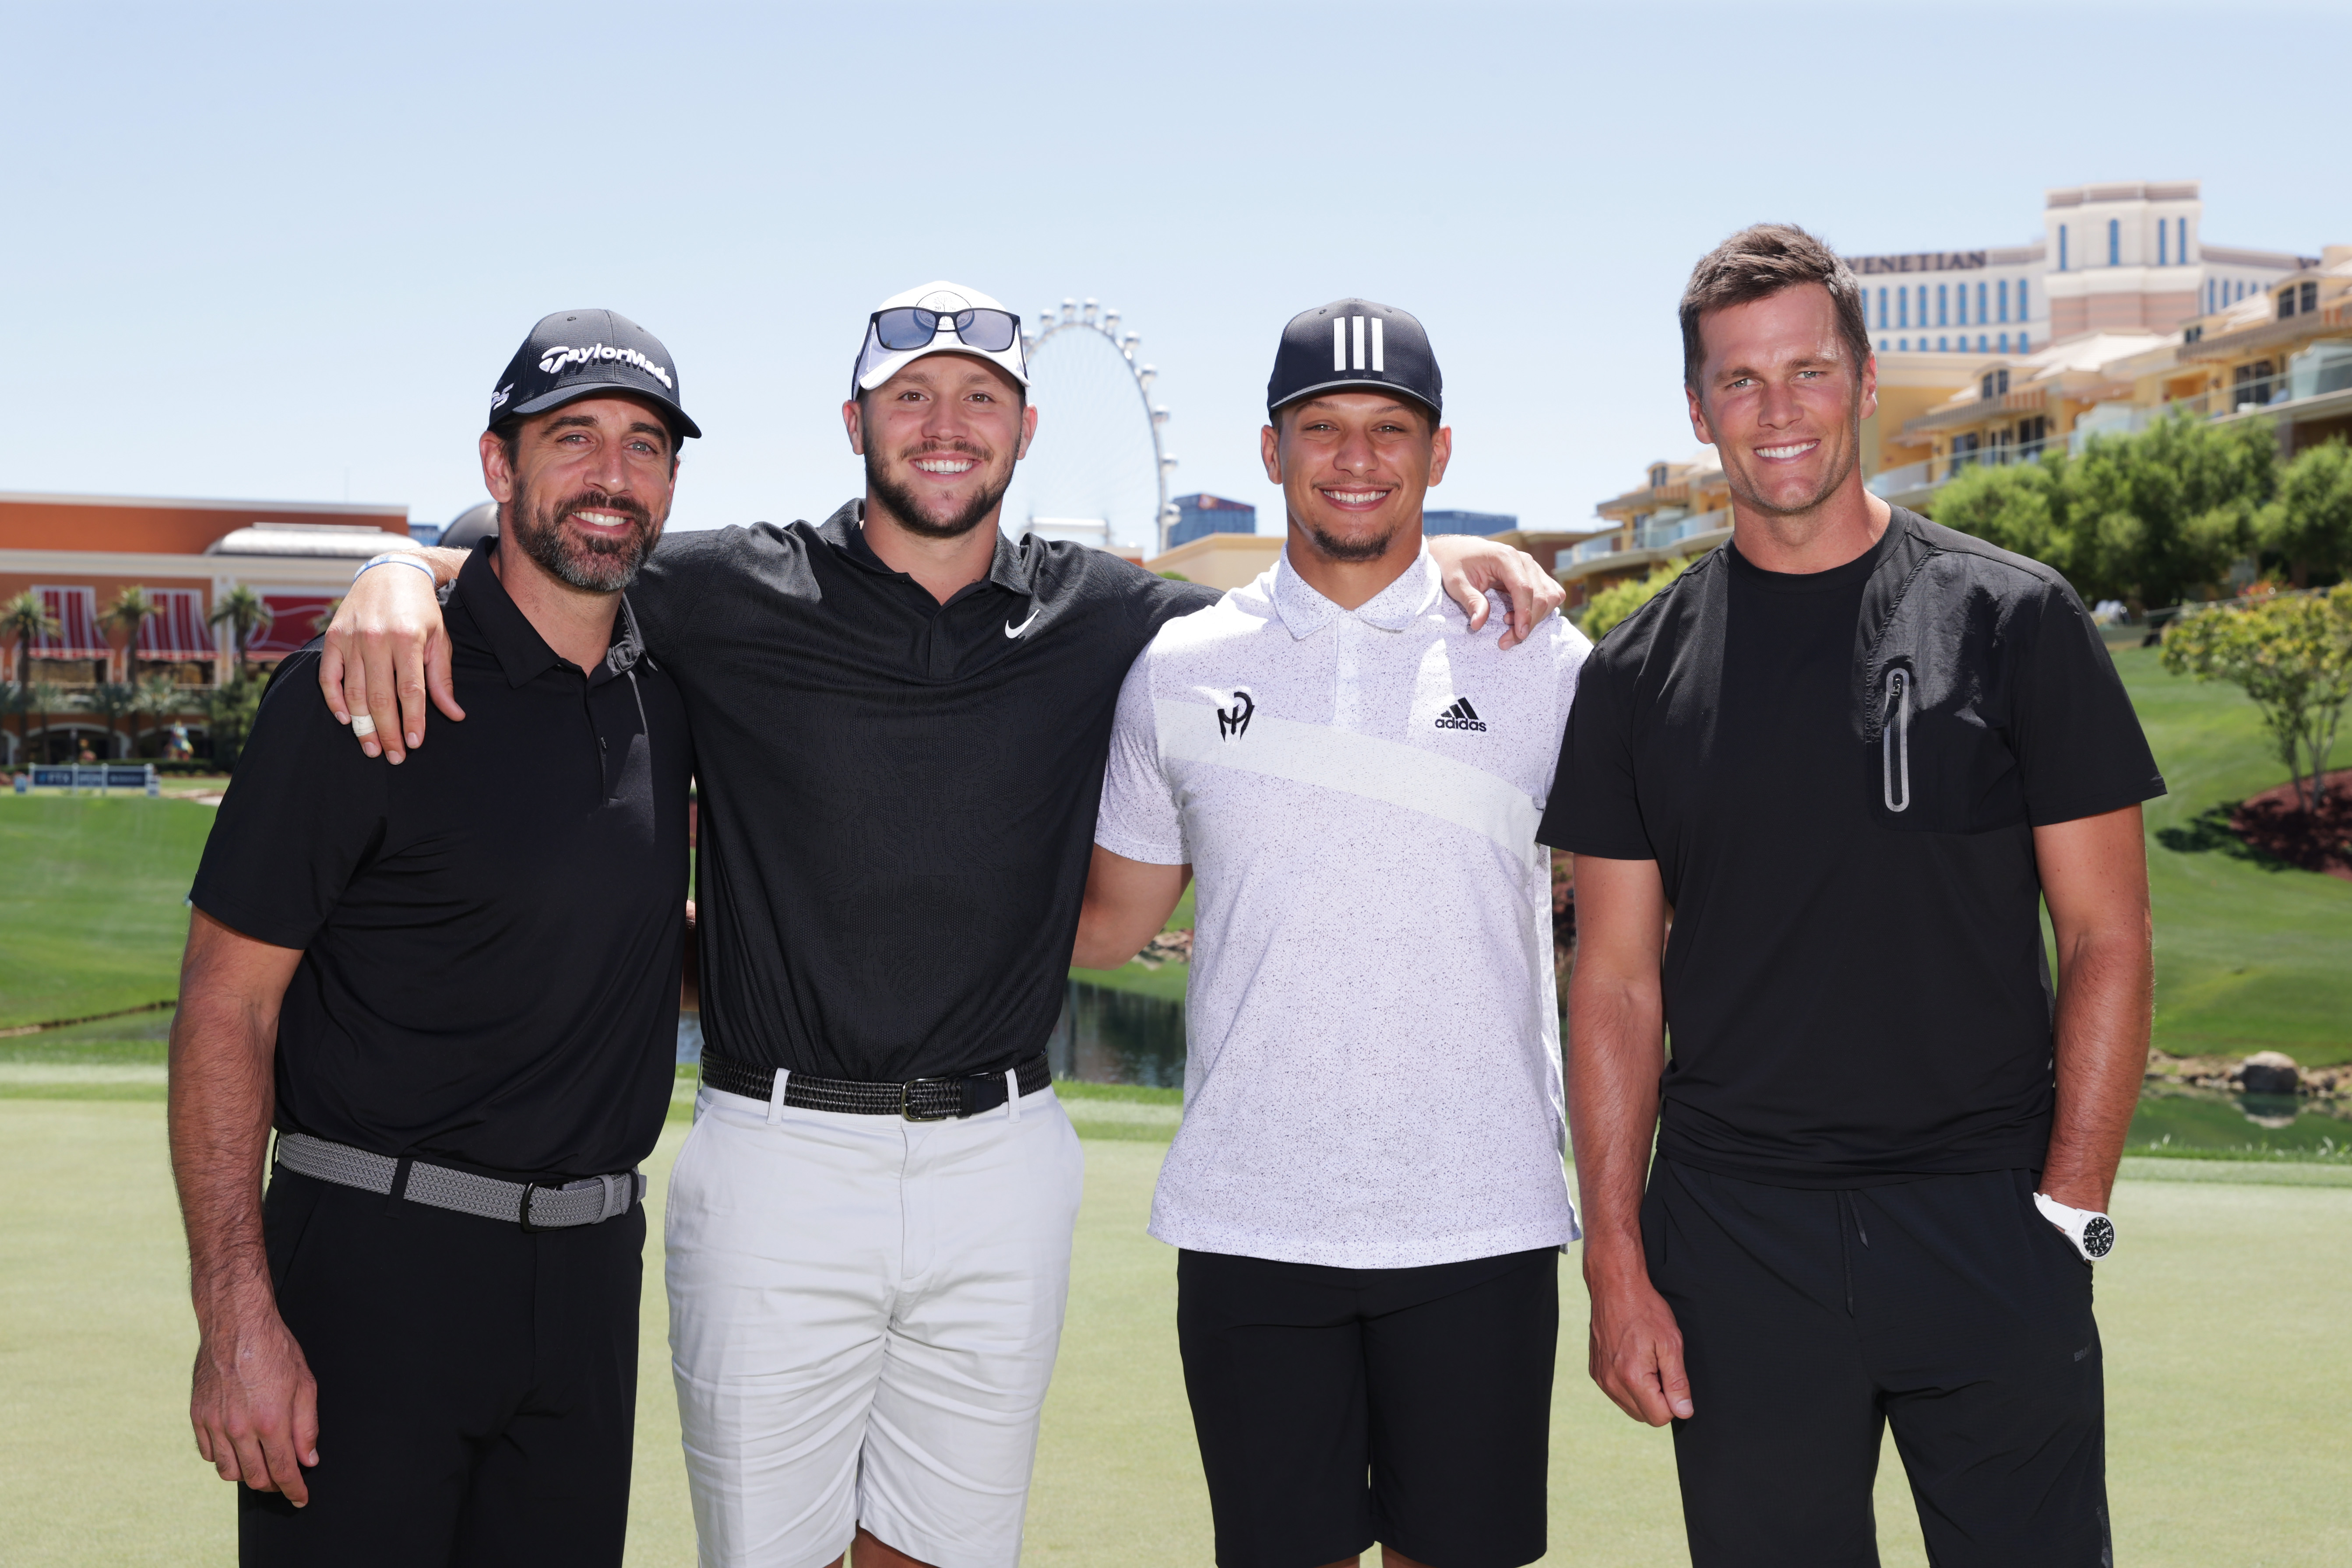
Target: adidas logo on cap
[[1461, 716]]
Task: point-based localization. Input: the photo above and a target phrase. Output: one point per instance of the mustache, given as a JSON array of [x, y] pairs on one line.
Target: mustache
[[591, 500], [956, 447]]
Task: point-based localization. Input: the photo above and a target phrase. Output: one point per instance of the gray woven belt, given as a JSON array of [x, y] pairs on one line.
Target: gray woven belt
[[534, 1207], [918, 1099]]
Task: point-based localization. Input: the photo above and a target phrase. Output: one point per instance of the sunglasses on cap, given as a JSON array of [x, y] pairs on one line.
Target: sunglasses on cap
[[912, 326]]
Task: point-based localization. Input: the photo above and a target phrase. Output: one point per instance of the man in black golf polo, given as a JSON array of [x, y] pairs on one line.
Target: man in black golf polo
[[1852, 754], [901, 718], [452, 989]]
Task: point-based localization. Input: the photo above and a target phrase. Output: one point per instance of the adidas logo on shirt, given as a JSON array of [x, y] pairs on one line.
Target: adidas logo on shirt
[[1461, 716]]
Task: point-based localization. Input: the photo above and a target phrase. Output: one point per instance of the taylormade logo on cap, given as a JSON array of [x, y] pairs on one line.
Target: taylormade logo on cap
[[555, 359]]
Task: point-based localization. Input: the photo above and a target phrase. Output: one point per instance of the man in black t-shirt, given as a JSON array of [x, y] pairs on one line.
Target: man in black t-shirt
[[453, 989], [901, 718], [1819, 789]]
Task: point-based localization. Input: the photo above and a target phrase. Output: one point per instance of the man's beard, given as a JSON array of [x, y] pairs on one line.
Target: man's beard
[[1353, 551], [599, 563], [901, 502]]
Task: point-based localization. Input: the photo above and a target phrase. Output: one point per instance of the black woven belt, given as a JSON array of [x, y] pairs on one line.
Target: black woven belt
[[918, 1099]]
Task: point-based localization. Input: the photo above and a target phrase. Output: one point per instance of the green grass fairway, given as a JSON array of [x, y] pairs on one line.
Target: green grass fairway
[[2221, 1313], [2249, 955], [93, 921]]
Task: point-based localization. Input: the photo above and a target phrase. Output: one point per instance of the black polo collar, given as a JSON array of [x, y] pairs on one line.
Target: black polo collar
[[521, 651], [1013, 566]]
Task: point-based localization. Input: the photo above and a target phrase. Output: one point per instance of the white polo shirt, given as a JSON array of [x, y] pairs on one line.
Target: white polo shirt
[[1373, 1069]]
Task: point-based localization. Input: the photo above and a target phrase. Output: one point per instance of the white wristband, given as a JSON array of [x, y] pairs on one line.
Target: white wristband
[[406, 558]]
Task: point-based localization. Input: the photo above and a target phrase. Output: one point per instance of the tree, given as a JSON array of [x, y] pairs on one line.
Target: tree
[[2308, 529], [110, 700], [159, 697], [2157, 515], [27, 619], [246, 613], [1613, 604], [2293, 655], [47, 698], [2028, 509], [230, 716], [131, 610]]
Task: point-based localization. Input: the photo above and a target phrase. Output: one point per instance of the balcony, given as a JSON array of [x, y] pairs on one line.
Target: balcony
[[1977, 411], [1645, 546], [1935, 472]]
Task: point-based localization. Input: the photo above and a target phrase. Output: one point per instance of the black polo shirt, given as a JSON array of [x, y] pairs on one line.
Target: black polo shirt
[[898, 796], [492, 930]]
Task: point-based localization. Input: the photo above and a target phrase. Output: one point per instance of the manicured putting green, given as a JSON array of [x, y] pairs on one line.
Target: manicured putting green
[[2221, 1312], [94, 919]]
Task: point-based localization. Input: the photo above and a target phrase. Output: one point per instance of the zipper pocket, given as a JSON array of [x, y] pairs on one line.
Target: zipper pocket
[[1895, 742]]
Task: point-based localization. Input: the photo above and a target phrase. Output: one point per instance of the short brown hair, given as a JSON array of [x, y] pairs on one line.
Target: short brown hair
[[1756, 263]]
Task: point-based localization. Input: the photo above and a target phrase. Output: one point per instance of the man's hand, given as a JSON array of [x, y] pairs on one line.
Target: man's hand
[[386, 650], [1637, 1348], [1470, 566], [255, 1404]]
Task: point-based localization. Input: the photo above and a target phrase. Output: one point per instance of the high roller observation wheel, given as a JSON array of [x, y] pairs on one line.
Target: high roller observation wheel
[[1089, 470]]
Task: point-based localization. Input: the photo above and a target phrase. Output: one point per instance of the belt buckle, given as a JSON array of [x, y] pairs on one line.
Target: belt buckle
[[907, 1101], [523, 1213]]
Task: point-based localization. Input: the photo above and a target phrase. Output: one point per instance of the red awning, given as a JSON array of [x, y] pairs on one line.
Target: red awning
[[179, 632], [291, 623], [77, 636]]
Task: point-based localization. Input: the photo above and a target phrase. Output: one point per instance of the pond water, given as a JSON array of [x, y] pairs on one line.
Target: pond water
[[1117, 1037]]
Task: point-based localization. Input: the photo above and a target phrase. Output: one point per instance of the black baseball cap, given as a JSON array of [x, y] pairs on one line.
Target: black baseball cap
[[575, 354], [1355, 343]]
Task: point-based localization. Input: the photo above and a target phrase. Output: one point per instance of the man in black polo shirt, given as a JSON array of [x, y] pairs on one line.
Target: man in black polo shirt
[[1850, 754], [453, 987], [902, 719]]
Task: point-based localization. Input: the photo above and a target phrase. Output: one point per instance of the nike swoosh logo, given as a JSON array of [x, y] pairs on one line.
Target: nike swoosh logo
[[1012, 631]]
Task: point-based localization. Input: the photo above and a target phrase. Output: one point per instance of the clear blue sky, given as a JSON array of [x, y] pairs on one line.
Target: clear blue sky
[[283, 253]]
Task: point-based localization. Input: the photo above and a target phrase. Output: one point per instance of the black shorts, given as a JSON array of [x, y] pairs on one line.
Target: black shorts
[[477, 1384], [1944, 1307], [1340, 1407]]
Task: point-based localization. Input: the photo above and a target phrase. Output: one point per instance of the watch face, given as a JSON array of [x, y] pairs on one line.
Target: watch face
[[2099, 1235]]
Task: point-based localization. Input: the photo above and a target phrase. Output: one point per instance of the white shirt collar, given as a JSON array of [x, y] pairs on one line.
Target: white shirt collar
[[1306, 611]]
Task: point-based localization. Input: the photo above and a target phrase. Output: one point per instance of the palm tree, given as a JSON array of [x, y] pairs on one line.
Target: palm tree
[[246, 613], [130, 611], [159, 697], [46, 698], [111, 699], [27, 619]]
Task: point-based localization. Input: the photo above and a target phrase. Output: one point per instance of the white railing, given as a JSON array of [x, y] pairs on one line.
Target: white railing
[[1591, 550]]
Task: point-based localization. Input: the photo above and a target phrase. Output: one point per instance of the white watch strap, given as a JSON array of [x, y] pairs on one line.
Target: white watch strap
[[2091, 1232], [404, 558]]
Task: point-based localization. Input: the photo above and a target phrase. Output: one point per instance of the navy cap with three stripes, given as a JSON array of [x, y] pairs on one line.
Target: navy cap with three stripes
[[1354, 344]]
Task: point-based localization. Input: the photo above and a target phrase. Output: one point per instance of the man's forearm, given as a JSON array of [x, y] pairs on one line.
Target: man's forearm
[[445, 563], [1615, 1051], [222, 1100], [2106, 999]]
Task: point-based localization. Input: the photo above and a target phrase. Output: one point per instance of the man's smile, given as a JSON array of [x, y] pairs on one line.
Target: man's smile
[[596, 518], [1353, 500], [946, 464], [1783, 453]]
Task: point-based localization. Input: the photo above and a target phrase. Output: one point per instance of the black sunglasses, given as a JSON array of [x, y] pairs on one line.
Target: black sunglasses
[[912, 326]]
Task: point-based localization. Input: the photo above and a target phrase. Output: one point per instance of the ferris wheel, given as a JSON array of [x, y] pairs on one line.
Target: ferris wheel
[[1097, 473]]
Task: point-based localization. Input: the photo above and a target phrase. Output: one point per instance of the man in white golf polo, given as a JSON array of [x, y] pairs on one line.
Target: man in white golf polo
[[1367, 1186]]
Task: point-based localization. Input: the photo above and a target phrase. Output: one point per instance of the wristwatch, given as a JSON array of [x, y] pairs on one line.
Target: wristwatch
[[2092, 1233]]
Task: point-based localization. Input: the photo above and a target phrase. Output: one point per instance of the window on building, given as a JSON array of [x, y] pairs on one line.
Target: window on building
[[1982, 340], [2004, 342], [1943, 346], [2062, 247], [2181, 248], [1902, 345], [1883, 345], [1903, 307], [1993, 385], [2114, 242], [2023, 346], [2024, 314], [1881, 312], [1942, 305], [1981, 316], [2208, 297], [2002, 294], [1657, 476], [2309, 296], [2163, 246]]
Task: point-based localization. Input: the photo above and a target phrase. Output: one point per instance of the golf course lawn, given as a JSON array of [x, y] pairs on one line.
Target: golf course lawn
[[2221, 1315], [95, 917]]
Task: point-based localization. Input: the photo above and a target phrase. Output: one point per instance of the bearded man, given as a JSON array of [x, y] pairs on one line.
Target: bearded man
[[452, 989], [901, 721]]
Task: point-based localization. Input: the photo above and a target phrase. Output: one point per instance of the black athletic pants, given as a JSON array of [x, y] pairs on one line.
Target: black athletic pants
[[1946, 1307], [477, 1384], [1340, 1407]]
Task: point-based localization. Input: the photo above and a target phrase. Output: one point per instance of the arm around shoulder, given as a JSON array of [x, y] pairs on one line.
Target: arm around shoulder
[[386, 650]]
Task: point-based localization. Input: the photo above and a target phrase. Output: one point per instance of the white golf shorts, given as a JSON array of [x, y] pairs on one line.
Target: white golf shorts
[[864, 1312]]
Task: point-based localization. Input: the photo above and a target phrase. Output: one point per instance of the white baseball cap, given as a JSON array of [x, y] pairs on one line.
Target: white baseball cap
[[939, 317]]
